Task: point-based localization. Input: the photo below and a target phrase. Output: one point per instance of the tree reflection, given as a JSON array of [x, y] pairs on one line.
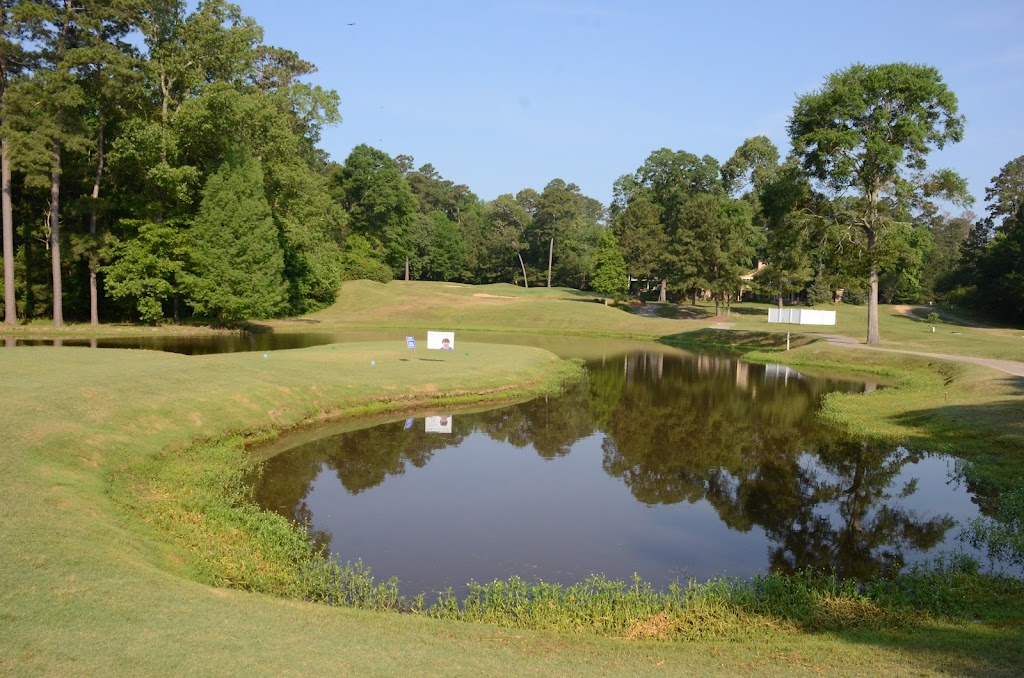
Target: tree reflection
[[741, 437]]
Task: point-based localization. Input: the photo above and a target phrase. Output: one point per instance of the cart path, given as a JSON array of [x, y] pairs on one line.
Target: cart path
[[1013, 367]]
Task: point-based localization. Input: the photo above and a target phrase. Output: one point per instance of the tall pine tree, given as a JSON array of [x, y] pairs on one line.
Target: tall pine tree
[[238, 268]]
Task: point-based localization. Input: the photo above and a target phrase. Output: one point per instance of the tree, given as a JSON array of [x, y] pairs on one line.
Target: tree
[[640, 236], [509, 221], [15, 25], [443, 253], [610, 276], [787, 208], [147, 268], [869, 129], [238, 270], [725, 239], [670, 180], [1006, 192], [361, 261], [382, 207], [556, 210]]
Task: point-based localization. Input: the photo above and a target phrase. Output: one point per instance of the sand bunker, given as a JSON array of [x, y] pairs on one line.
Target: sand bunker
[[492, 296]]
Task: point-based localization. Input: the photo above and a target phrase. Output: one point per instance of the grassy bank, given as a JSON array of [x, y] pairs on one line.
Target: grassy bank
[[120, 508]]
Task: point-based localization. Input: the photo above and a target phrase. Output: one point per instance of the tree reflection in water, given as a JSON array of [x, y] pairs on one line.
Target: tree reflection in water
[[677, 428]]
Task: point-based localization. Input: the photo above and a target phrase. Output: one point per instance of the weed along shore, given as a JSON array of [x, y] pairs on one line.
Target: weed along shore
[[129, 544]]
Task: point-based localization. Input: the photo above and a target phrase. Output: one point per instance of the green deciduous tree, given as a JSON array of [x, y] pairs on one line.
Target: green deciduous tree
[[508, 223], [238, 266], [381, 206], [147, 268], [869, 130]]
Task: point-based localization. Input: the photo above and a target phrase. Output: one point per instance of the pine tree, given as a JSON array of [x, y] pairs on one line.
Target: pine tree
[[238, 264], [610, 275]]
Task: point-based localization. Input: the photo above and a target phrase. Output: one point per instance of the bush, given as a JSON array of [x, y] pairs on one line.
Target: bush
[[857, 296], [359, 261], [819, 293]]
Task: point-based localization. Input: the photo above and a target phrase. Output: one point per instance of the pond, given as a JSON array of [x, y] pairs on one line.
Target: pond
[[662, 463]]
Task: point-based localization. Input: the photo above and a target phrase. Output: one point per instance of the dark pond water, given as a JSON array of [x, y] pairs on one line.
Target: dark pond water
[[668, 465], [196, 344]]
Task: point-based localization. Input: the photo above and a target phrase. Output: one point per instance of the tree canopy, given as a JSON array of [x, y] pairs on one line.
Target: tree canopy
[[869, 130]]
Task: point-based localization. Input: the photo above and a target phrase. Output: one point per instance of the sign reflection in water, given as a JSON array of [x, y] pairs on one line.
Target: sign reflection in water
[[666, 465]]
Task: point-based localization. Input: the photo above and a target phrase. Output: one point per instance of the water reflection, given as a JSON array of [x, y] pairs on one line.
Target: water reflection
[[663, 464], [236, 342]]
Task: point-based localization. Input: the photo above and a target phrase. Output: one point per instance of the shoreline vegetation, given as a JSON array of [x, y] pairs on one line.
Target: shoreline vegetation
[[125, 485]]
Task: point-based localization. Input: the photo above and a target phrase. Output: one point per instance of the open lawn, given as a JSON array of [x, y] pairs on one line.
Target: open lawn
[[507, 308], [102, 558]]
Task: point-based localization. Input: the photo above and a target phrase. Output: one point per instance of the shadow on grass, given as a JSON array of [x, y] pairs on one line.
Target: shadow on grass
[[252, 327], [680, 312], [974, 650], [990, 435], [739, 340], [748, 310]]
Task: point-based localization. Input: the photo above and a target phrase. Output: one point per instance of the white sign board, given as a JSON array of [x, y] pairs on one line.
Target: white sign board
[[801, 316], [440, 424], [441, 341]]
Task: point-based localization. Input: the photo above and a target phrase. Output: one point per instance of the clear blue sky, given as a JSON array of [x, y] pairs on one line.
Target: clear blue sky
[[508, 94]]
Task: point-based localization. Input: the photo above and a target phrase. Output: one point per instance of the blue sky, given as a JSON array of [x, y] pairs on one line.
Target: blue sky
[[509, 94]]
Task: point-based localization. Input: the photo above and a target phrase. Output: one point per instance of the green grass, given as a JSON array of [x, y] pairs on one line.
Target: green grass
[[506, 308], [119, 477]]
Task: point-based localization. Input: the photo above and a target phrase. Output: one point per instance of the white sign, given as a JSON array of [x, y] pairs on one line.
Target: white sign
[[440, 424], [441, 341], [801, 316]]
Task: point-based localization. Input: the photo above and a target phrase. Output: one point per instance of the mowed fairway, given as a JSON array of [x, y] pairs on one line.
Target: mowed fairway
[[87, 588], [507, 308]]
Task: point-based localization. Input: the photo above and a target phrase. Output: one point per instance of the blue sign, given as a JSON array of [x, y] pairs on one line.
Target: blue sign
[[411, 341]]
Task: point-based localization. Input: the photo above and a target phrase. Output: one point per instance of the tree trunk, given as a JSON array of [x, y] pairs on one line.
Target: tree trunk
[[30, 267], [663, 291], [526, 282], [10, 310], [94, 314], [718, 305], [874, 337], [58, 294], [406, 269], [551, 254]]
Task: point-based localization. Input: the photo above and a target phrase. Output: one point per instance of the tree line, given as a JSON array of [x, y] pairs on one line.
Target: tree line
[[159, 163]]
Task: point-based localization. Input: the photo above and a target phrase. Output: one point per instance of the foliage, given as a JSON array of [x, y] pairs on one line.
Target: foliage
[[238, 266], [870, 129], [360, 261], [610, 270], [381, 206], [819, 292], [147, 268]]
